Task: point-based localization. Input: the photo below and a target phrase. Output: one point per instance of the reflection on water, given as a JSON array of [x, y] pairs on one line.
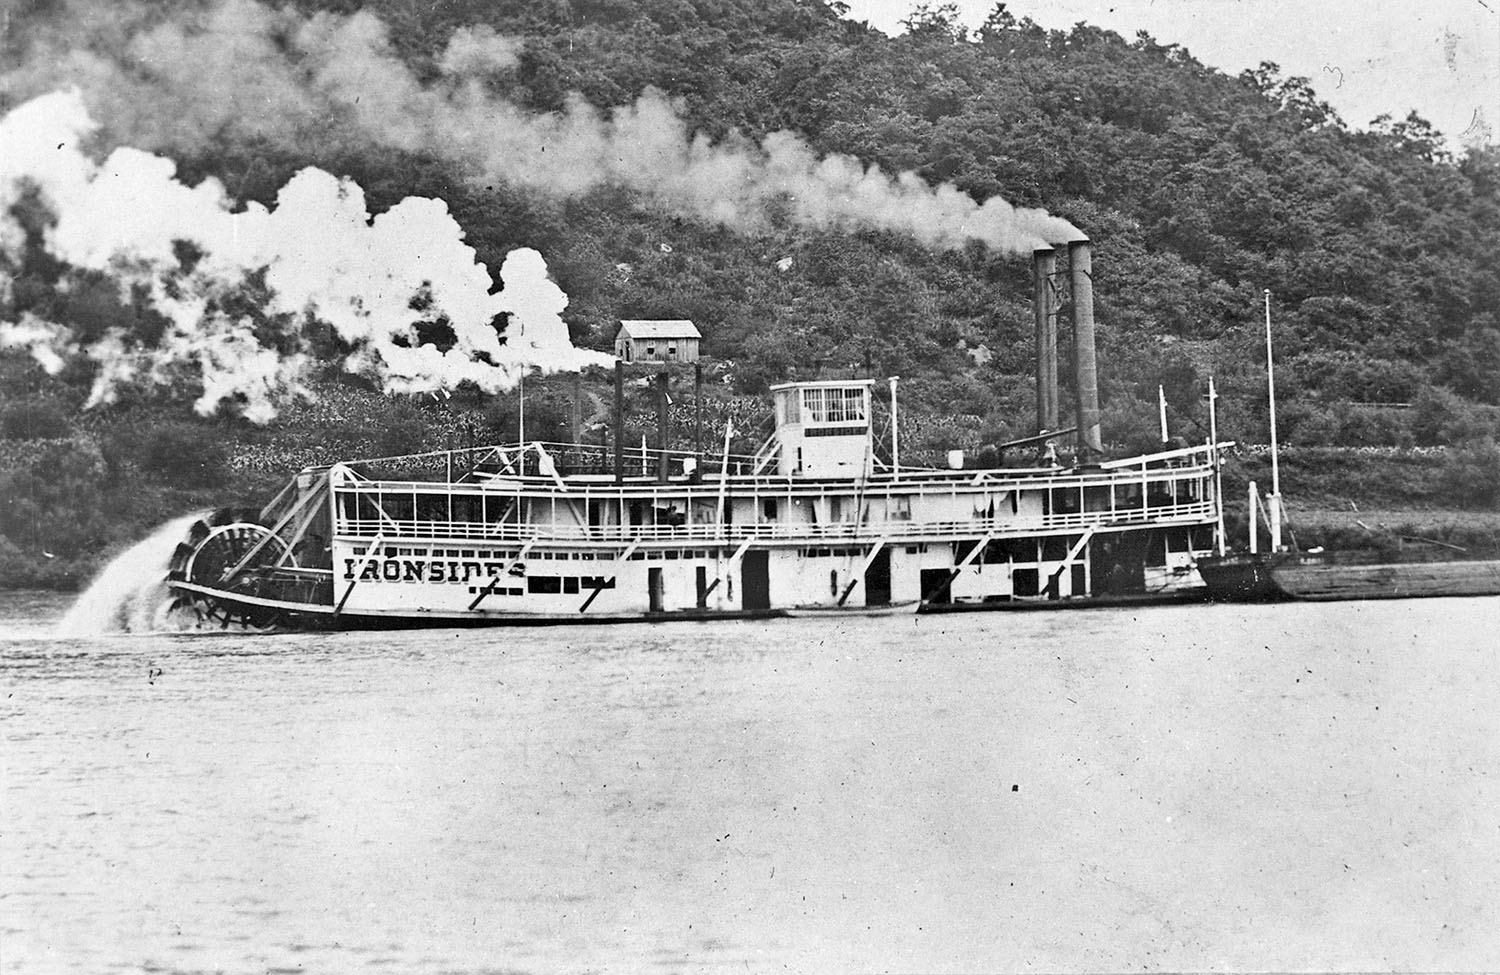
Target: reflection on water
[[1244, 788]]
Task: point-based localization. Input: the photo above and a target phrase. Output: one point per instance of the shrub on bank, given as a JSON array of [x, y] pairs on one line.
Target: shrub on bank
[[185, 454], [34, 419]]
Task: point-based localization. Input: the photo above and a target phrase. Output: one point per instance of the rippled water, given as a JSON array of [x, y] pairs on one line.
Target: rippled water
[[1262, 788]]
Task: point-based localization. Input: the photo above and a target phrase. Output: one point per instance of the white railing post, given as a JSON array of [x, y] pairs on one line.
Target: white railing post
[[1254, 501]]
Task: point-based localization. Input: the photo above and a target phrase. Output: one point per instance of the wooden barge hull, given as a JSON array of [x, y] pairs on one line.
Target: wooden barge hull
[[1286, 577], [1390, 581]]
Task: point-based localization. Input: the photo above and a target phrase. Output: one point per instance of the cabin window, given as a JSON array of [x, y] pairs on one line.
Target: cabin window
[[650, 351], [544, 584], [671, 352], [432, 507], [467, 508], [400, 507]]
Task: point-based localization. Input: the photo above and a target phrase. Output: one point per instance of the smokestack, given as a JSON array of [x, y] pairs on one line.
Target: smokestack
[[1044, 306], [1085, 371]]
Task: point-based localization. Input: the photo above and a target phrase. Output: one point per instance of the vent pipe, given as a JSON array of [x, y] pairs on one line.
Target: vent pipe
[[1044, 307], [662, 399], [619, 421], [1085, 370]]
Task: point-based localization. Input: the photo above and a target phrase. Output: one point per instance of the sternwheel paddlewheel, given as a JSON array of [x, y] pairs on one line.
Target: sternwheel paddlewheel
[[215, 547]]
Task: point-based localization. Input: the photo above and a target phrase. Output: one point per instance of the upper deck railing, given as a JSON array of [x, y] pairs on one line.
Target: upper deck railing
[[893, 529], [551, 471]]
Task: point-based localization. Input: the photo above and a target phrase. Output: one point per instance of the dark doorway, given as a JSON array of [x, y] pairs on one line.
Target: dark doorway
[[702, 587], [755, 580], [657, 589], [878, 579], [1118, 562], [936, 585]]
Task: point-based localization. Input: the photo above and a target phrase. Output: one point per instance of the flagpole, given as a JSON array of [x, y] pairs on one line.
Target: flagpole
[[1275, 512], [724, 472], [895, 428], [1213, 436]]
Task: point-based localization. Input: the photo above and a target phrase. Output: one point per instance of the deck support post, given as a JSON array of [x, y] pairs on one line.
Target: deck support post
[[864, 567], [489, 587], [358, 571]]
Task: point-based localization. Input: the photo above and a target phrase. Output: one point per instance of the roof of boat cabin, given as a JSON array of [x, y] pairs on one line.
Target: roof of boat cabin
[[823, 384]]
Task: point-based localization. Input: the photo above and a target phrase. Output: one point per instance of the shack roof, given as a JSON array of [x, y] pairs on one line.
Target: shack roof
[[676, 328]]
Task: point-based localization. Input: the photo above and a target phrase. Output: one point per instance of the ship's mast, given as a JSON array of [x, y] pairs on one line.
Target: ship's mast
[[895, 427], [1213, 437], [1275, 499]]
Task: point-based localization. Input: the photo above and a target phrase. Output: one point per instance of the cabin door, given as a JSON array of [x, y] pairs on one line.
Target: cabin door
[[656, 588], [936, 586], [878, 579], [755, 580]]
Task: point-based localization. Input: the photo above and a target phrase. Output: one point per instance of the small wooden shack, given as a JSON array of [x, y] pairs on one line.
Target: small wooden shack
[[674, 340]]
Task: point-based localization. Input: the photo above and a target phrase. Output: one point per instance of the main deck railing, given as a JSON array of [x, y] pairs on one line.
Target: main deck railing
[[894, 529]]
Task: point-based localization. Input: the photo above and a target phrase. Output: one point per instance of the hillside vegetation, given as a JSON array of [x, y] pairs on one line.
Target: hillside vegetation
[[1381, 249]]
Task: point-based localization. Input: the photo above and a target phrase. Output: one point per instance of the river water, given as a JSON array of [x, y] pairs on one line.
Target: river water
[[1242, 788]]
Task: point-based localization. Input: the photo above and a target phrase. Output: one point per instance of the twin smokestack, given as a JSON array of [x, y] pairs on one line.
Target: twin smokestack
[[1045, 305]]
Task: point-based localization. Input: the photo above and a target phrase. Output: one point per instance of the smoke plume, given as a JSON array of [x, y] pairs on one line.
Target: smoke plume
[[246, 292], [235, 69]]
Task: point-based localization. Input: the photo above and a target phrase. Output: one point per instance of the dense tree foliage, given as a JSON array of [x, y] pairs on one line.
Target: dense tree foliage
[[1200, 190]]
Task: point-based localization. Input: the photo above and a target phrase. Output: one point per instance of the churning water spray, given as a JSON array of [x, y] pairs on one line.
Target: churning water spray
[[131, 594]]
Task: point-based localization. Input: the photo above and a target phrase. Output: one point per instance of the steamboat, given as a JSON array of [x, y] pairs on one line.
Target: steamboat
[[814, 522]]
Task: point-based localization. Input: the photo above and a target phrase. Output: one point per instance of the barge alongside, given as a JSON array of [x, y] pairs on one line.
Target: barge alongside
[[1322, 577]]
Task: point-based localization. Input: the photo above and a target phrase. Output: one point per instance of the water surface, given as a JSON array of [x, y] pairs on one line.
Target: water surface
[[1243, 788]]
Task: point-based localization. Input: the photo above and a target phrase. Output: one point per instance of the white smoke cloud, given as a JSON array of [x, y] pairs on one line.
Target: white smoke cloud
[[479, 51], [237, 69], [378, 282]]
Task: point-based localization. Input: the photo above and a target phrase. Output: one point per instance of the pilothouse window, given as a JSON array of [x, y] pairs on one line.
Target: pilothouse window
[[834, 405]]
